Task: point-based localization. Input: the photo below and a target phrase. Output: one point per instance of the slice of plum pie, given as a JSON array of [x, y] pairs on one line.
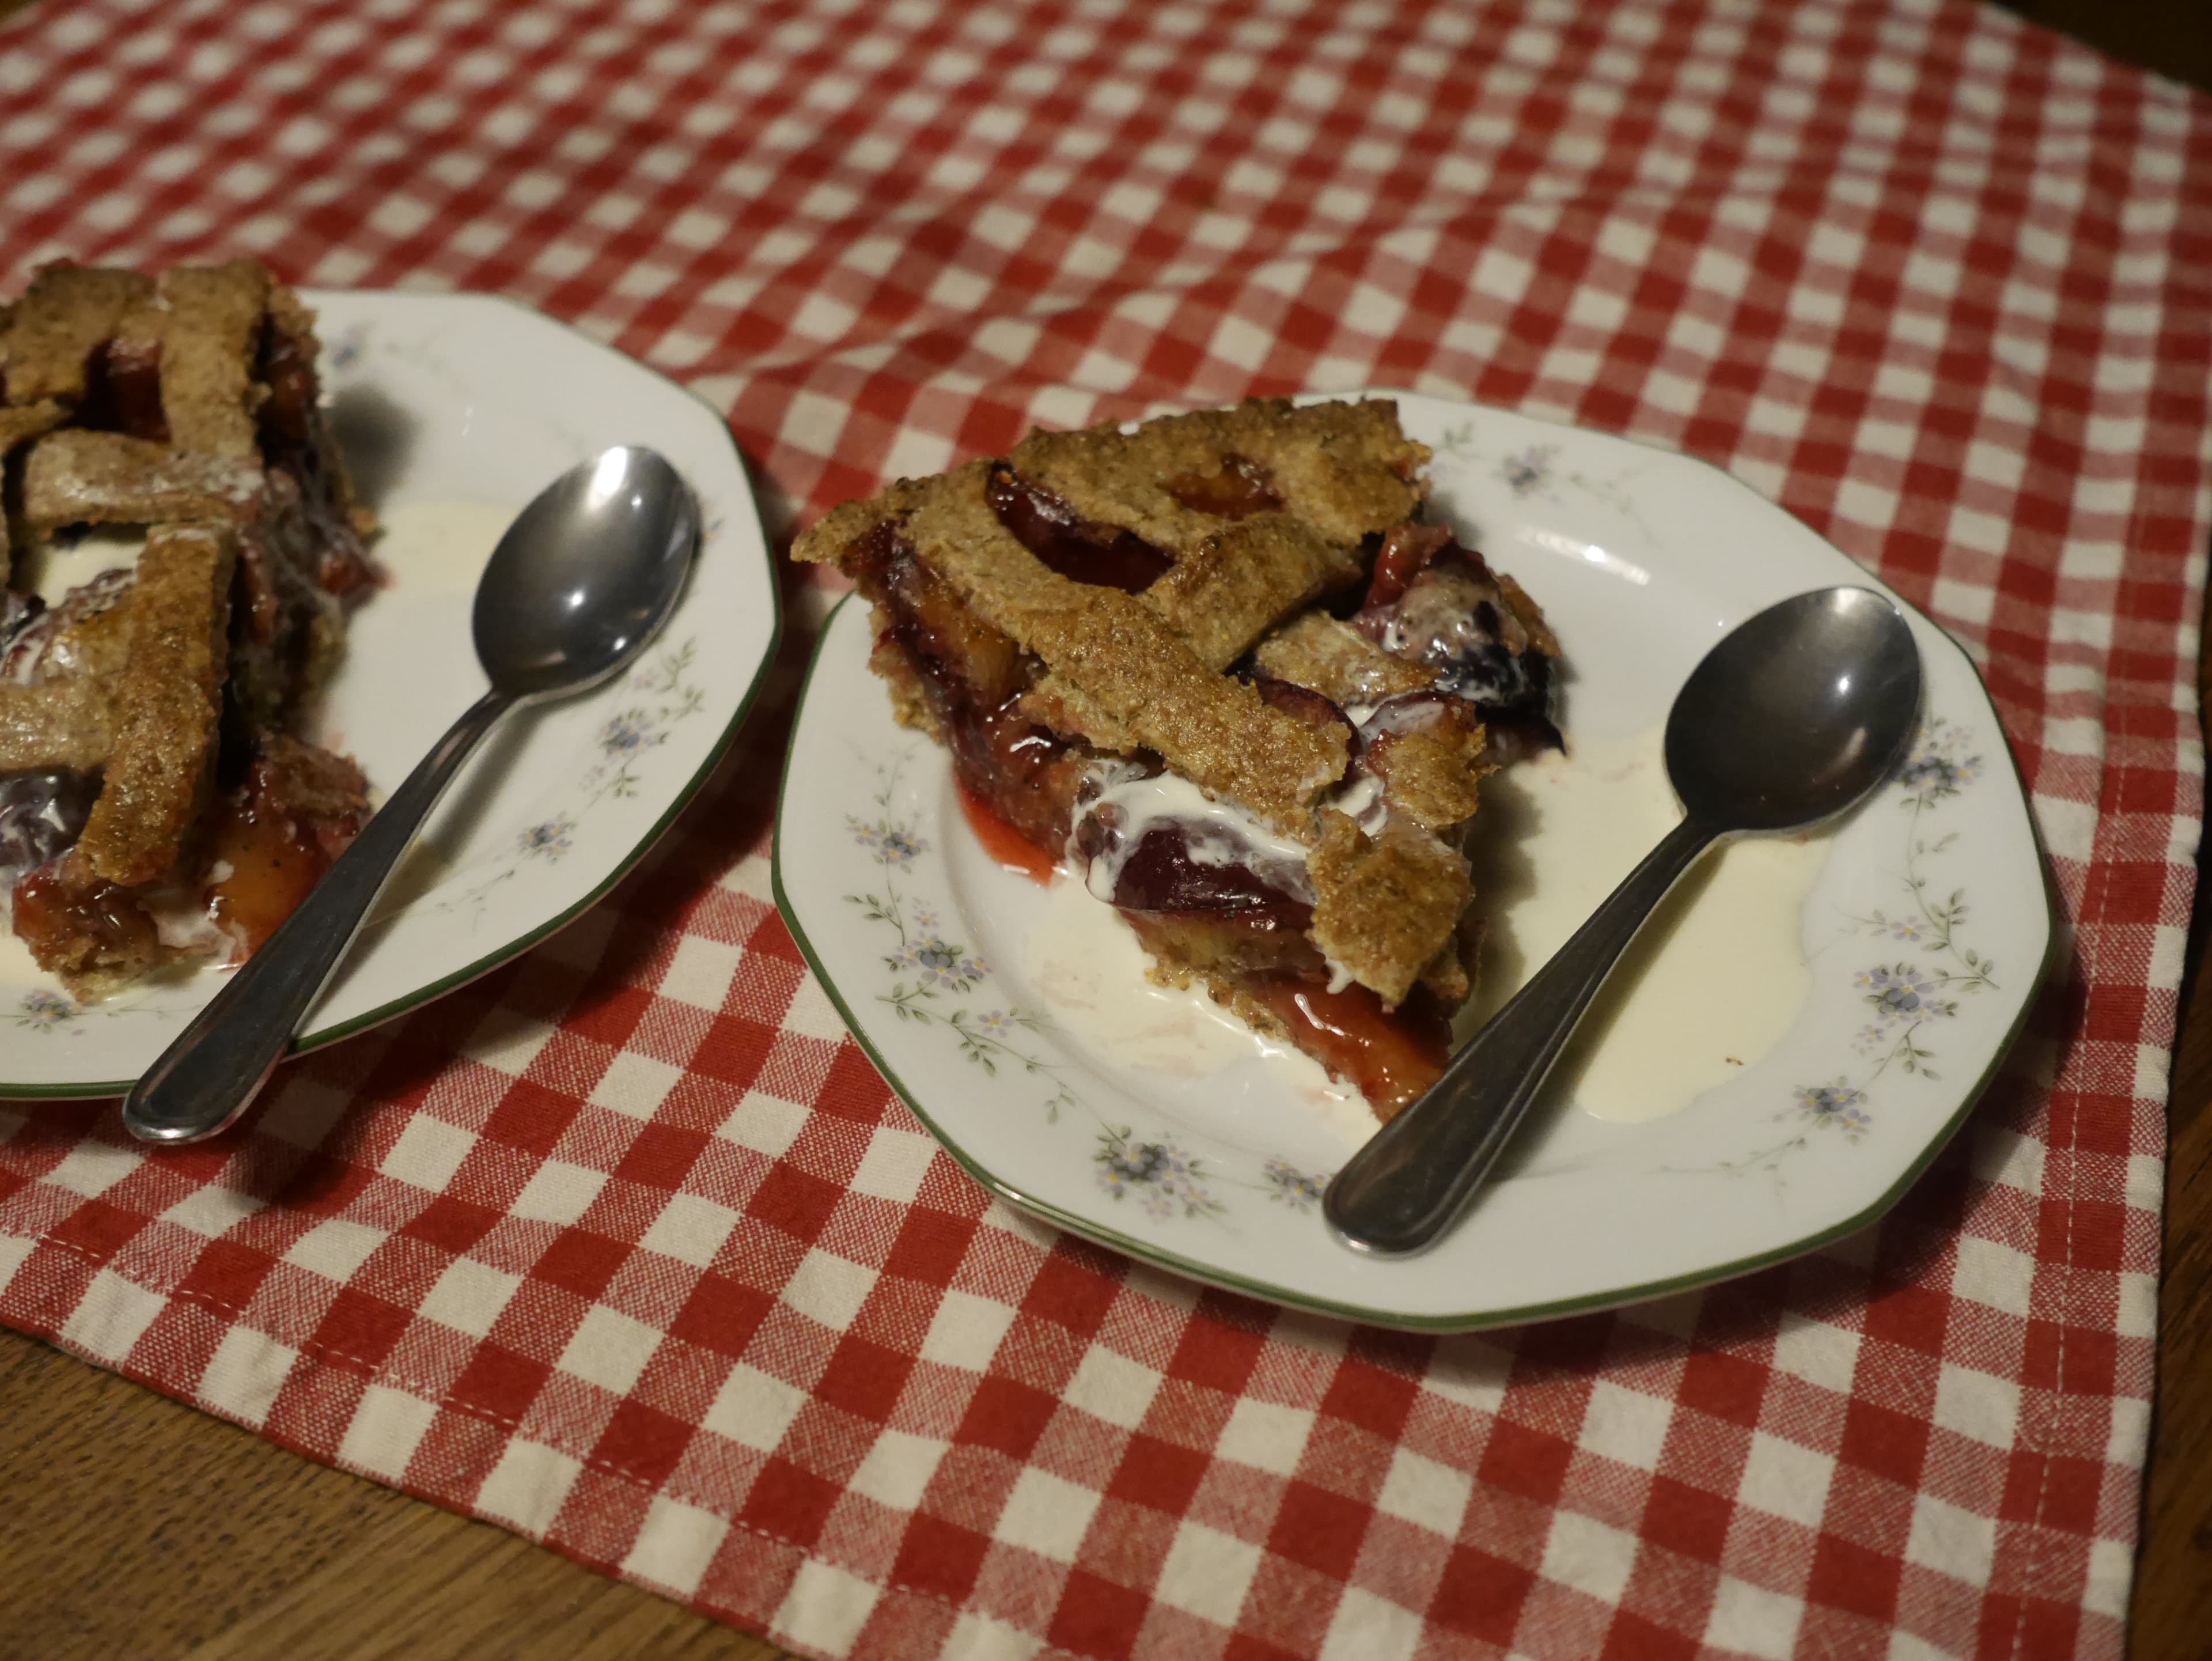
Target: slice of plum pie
[[1224, 667], [182, 542]]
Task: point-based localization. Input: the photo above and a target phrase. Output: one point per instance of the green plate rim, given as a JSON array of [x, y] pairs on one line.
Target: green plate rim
[[1473, 1320]]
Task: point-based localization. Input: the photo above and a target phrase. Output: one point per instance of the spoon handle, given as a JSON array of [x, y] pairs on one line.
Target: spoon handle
[[217, 1065], [1403, 1189]]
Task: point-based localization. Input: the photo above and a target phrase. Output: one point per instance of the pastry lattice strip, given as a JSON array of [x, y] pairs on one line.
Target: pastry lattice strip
[[1261, 510]]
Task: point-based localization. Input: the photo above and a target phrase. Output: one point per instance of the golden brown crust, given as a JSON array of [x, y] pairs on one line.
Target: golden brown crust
[[1433, 773], [129, 678], [1261, 509], [208, 393], [27, 421], [1130, 666], [78, 477], [141, 328], [1451, 973], [65, 723], [1071, 712], [61, 708], [910, 703], [171, 696], [1215, 732], [1344, 468], [829, 538], [1388, 904], [292, 316], [1230, 994], [1232, 588], [1336, 661], [1339, 472], [1343, 473], [17, 424], [1529, 615], [1197, 946], [67, 312]]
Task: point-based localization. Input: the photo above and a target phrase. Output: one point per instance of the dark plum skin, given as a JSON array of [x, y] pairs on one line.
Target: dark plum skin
[[974, 678], [1068, 542], [1238, 489], [1160, 875], [1436, 604], [1300, 703]]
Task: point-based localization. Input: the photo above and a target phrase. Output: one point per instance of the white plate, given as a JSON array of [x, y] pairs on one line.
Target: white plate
[[455, 409], [1642, 559]]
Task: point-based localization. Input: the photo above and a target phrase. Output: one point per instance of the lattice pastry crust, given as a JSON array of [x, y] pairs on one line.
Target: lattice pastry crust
[[137, 711], [1243, 606]]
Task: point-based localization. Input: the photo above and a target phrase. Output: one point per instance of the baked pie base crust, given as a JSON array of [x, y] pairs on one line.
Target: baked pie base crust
[[1246, 601]]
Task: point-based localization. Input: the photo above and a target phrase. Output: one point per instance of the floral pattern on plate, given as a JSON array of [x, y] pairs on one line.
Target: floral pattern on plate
[[929, 971], [619, 770], [1908, 996]]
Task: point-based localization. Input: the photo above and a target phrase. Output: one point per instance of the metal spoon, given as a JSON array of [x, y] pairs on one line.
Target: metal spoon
[[1795, 716], [583, 579]]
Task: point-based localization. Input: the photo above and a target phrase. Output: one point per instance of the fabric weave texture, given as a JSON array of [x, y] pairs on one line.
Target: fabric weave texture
[[627, 1247]]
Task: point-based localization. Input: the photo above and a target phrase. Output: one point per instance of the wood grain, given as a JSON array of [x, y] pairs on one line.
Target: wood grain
[[2172, 38], [2172, 1614], [139, 1527]]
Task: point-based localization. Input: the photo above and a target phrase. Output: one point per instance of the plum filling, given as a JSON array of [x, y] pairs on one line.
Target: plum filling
[[123, 394], [1390, 1055], [1004, 844], [153, 808], [1241, 488], [1160, 874], [1434, 603], [972, 677], [298, 809], [1404, 551], [1381, 726], [267, 843], [70, 919], [1205, 887], [293, 435], [1025, 780], [1191, 868], [123, 390], [1301, 701], [1066, 542], [1202, 892]]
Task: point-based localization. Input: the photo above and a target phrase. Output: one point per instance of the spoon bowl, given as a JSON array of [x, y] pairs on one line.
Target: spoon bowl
[[1796, 713], [586, 574], [1794, 717], [580, 583]]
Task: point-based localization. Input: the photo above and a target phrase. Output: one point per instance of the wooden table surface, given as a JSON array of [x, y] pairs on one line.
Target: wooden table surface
[[140, 1528]]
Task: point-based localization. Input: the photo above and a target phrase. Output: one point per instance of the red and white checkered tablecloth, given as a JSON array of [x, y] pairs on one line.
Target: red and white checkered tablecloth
[[653, 1267]]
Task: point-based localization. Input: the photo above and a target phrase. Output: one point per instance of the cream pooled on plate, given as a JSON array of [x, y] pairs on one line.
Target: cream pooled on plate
[[1709, 988]]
